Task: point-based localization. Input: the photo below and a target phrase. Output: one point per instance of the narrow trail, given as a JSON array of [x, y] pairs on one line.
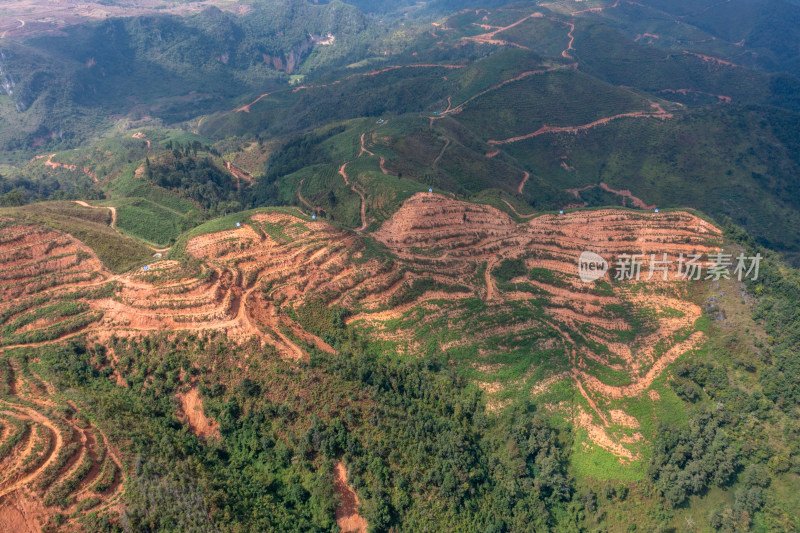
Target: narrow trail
[[489, 38], [110, 208], [439, 157], [343, 173], [381, 161], [73, 168], [712, 59], [660, 114], [519, 77], [597, 9], [114, 224], [522, 183], [302, 199], [246, 107], [721, 97], [518, 213], [396, 67], [624, 193]]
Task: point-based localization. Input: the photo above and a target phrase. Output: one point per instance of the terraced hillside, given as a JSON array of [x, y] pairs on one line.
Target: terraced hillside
[[54, 460], [497, 296], [507, 304]]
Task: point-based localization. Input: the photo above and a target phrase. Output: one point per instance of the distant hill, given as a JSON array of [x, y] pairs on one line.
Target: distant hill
[[164, 68]]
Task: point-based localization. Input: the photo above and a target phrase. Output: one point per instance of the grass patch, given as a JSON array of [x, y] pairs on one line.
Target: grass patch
[[591, 461]]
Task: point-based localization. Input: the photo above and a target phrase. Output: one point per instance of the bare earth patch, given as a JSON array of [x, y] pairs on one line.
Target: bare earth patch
[[347, 517], [192, 409], [53, 448], [621, 418], [20, 513]]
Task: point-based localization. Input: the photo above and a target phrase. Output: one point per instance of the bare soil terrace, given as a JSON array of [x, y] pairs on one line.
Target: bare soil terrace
[[59, 461], [440, 254]]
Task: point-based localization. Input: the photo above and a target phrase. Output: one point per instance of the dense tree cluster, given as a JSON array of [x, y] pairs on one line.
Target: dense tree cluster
[[419, 447], [688, 460], [196, 178]]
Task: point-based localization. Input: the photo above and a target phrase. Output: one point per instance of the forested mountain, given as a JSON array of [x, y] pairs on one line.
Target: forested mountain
[[167, 67]]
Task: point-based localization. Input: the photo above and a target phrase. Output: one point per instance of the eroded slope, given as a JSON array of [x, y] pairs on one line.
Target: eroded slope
[[499, 298]]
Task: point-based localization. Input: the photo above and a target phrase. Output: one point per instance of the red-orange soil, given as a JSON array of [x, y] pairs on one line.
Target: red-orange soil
[[73, 168], [658, 113], [192, 410], [347, 517], [51, 436], [247, 276]]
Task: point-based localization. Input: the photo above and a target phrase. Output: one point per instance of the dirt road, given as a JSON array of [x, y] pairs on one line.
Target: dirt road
[[575, 129], [110, 208]]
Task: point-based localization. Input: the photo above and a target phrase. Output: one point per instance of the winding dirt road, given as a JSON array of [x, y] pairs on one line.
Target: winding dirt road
[[660, 114], [624, 193], [302, 199], [489, 38], [74, 168], [343, 173], [439, 157], [110, 208], [522, 183], [565, 53]]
